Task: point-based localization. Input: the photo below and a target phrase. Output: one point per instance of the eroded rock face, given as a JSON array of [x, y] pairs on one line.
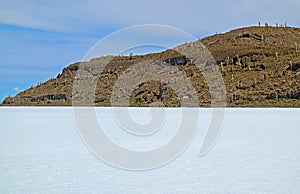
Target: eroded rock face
[[177, 61], [36, 99], [49, 97], [8, 101], [260, 67]]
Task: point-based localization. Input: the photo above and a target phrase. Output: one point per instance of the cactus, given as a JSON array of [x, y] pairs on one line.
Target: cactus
[[235, 96], [254, 82], [130, 56], [222, 68], [291, 65], [239, 61], [160, 91]]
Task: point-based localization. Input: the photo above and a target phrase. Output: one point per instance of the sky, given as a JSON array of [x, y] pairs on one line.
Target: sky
[[39, 38]]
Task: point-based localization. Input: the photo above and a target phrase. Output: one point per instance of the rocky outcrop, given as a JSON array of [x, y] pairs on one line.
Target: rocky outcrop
[[49, 97]]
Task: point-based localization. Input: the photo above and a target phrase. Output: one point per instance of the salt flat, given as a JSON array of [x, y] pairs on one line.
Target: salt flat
[[41, 151]]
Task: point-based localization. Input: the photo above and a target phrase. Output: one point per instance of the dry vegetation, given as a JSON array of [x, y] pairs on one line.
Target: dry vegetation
[[260, 67]]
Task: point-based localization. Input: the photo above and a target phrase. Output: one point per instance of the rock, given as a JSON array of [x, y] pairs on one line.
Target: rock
[[250, 81]]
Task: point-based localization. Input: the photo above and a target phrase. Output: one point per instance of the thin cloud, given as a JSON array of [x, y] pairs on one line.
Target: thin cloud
[[17, 89], [215, 15], [13, 17]]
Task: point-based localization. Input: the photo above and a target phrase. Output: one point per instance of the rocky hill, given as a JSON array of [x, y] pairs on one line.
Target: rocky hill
[[260, 67]]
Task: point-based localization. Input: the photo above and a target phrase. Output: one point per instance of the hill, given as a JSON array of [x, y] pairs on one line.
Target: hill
[[260, 67]]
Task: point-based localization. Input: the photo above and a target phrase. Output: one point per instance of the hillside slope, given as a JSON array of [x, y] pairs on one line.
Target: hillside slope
[[260, 67]]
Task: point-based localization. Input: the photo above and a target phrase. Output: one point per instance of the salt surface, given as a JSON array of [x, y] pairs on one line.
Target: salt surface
[[258, 152]]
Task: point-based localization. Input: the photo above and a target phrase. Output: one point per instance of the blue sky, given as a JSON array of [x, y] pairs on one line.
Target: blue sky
[[39, 38]]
